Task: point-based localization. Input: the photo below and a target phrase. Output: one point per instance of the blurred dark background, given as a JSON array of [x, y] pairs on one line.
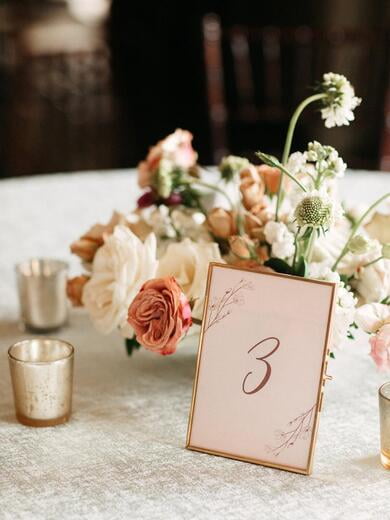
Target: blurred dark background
[[90, 84]]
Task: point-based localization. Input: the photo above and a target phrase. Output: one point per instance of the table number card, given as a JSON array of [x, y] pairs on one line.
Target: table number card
[[261, 367]]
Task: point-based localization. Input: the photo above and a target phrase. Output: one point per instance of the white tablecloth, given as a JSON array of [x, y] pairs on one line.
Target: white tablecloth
[[122, 454]]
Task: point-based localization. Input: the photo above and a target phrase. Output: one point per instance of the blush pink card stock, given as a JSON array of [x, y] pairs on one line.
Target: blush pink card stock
[[261, 366]]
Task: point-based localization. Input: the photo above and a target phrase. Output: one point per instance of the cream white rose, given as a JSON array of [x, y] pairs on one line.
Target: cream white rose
[[119, 269], [188, 262], [374, 281]]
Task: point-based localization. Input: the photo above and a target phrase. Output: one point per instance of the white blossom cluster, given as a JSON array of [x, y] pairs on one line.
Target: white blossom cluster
[[340, 100]]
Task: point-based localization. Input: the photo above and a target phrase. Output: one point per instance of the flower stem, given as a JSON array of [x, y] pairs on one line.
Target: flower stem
[[196, 321], [295, 247], [373, 261], [289, 138], [310, 247], [284, 170], [355, 227]]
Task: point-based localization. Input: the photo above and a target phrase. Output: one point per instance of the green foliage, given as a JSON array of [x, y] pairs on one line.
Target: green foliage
[[191, 198], [131, 344], [281, 266], [300, 268]]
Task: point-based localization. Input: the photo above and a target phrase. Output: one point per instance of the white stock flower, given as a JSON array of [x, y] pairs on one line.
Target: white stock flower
[[345, 302], [280, 239], [121, 265], [190, 223], [188, 262], [344, 315], [296, 163], [159, 220], [326, 160], [322, 271], [340, 100]]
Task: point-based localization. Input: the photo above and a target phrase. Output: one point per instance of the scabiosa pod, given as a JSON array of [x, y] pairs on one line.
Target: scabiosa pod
[[340, 100], [360, 244], [315, 210]]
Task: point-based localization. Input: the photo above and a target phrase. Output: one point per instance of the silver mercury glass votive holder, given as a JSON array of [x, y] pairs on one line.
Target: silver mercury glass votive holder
[[42, 293], [42, 379]]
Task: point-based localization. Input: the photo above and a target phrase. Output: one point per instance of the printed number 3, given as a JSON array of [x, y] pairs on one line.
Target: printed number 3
[[267, 375]]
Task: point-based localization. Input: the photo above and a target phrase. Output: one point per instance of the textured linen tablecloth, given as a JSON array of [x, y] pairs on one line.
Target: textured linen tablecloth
[[122, 454]]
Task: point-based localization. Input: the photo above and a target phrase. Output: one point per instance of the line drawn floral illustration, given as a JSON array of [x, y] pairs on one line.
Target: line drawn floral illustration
[[299, 428], [221, 307]]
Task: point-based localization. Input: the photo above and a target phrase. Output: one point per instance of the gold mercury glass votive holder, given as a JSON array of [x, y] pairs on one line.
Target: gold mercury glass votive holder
[[384, 414], [42, 293], [42, 380]]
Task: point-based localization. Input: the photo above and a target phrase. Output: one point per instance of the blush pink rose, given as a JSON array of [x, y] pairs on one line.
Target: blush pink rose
[[380, 347], [176, 147], [160, 315]]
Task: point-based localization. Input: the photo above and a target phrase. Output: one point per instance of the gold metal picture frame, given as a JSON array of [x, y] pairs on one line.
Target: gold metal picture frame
[[210, 447]]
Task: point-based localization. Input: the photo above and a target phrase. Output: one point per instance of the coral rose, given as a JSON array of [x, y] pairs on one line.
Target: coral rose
[[160, 315], [74, 289]]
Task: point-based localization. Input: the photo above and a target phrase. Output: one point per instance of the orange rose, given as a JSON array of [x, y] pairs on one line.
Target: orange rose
[[74, 289], [160, 314], [222, 223], [271, 178]]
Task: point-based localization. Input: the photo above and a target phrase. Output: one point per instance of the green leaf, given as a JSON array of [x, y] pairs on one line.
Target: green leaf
[[301, 267], [345, 278], [131, 344], [279, 265], [191, 198], [331, 355]]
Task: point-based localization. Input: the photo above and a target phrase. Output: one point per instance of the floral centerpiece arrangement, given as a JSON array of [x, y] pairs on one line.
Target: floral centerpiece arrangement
[[145, 272]]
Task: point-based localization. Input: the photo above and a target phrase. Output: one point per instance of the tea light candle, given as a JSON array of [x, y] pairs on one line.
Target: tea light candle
[[42, 376]]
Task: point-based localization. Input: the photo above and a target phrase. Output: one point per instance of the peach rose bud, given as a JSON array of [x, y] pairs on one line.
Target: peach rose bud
[[253, 266], [252, 193], [160, 315], [74, 289], [85, 248], [271, 178], [221, 222], [241, 246], [250, 173]]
